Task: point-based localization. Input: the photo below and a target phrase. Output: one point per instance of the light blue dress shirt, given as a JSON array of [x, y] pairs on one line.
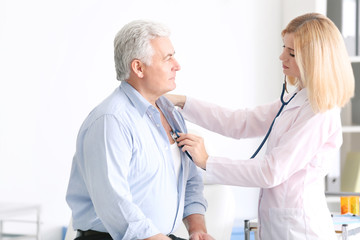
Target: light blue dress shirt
[[123, 178]]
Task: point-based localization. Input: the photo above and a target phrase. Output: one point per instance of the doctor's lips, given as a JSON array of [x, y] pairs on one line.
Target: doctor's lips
[[284, 67]]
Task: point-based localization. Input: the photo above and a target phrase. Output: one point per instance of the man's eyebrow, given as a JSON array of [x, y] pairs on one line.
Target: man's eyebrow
[[170, 55]]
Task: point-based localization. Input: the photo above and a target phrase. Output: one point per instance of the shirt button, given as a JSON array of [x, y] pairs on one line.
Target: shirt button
[[157, 125]]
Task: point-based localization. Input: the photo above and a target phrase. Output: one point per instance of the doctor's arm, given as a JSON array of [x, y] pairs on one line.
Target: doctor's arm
[[296, 148], [307, 137], [177, 100], [239, 123]]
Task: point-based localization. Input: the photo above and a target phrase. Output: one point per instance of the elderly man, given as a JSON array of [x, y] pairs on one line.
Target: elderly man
[[129, 179]]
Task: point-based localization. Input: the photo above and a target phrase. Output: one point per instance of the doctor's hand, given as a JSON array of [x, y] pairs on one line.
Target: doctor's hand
[[177, 100], [195, 146]]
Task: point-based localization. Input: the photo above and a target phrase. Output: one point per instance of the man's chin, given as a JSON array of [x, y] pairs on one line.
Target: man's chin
[[172, 87]]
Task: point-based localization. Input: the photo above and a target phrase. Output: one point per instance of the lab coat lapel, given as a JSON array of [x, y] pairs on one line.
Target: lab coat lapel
[[297, 101]]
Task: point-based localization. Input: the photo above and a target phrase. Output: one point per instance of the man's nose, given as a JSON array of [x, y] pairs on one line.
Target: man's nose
[[177, 66]]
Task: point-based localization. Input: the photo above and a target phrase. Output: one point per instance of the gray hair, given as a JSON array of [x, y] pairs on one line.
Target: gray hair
[[133, 42]]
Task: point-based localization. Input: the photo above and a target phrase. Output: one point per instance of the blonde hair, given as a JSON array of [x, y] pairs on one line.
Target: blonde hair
[[323, 61]]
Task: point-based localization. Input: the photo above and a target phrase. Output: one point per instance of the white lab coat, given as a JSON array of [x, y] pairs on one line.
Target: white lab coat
[[291, 173]]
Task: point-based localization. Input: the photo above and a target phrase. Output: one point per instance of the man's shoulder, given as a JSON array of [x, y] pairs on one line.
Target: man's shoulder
[[116, 104]]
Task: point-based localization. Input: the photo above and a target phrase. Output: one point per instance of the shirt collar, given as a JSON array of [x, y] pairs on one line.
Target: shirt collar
[[298, 100], [170, 113], [165, 105], [140, 103]]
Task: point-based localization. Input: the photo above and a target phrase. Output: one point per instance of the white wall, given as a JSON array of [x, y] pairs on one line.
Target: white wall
[[293, 8], [57, 64]]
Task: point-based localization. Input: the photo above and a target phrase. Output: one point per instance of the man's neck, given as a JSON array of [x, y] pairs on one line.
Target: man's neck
[[149, 97]]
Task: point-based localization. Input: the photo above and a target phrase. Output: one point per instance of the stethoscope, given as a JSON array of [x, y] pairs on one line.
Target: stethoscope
[[282, 106], [175, 135]]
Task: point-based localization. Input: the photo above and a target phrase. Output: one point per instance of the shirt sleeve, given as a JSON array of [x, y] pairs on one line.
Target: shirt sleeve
[[195, 203], [228, 122], [309, 136], [107, 153]]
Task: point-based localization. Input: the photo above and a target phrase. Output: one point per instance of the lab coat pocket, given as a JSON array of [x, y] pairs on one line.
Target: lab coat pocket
[[287, 223]]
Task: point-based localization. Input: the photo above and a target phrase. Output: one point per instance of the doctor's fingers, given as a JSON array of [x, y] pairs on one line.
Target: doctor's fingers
[[196, 148], [190, 140], [193, 137]]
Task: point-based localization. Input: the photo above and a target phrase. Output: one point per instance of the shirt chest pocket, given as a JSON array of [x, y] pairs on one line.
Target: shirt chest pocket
[[146, 160]]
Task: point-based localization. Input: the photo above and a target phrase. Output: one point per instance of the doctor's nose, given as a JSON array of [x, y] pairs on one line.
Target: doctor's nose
[[282, 56]]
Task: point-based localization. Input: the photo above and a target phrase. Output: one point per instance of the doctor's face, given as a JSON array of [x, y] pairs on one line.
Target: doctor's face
[[290, 67]]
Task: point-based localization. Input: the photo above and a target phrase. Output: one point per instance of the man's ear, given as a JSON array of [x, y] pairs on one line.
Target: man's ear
[[138, 68]]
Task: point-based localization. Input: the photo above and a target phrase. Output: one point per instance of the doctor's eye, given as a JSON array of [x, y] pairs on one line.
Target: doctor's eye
[[291, 54]]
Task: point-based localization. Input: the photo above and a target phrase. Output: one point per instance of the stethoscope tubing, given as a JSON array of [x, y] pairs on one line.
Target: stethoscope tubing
[[284, 103], [175, 135]]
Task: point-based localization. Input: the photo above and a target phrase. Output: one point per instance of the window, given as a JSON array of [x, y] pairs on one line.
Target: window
[[345, 14], [350, 26]]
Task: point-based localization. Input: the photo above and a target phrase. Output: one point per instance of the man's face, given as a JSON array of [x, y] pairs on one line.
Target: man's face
[[159, 77]]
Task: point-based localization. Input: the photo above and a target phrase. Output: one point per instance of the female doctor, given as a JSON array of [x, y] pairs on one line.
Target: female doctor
[[303, 138]]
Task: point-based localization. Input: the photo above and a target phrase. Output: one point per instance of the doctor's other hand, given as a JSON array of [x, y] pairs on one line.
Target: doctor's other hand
[[177, 100], [195, 146]]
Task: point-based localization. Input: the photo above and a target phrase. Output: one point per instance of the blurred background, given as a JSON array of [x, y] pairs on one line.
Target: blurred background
[[56, 61]]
